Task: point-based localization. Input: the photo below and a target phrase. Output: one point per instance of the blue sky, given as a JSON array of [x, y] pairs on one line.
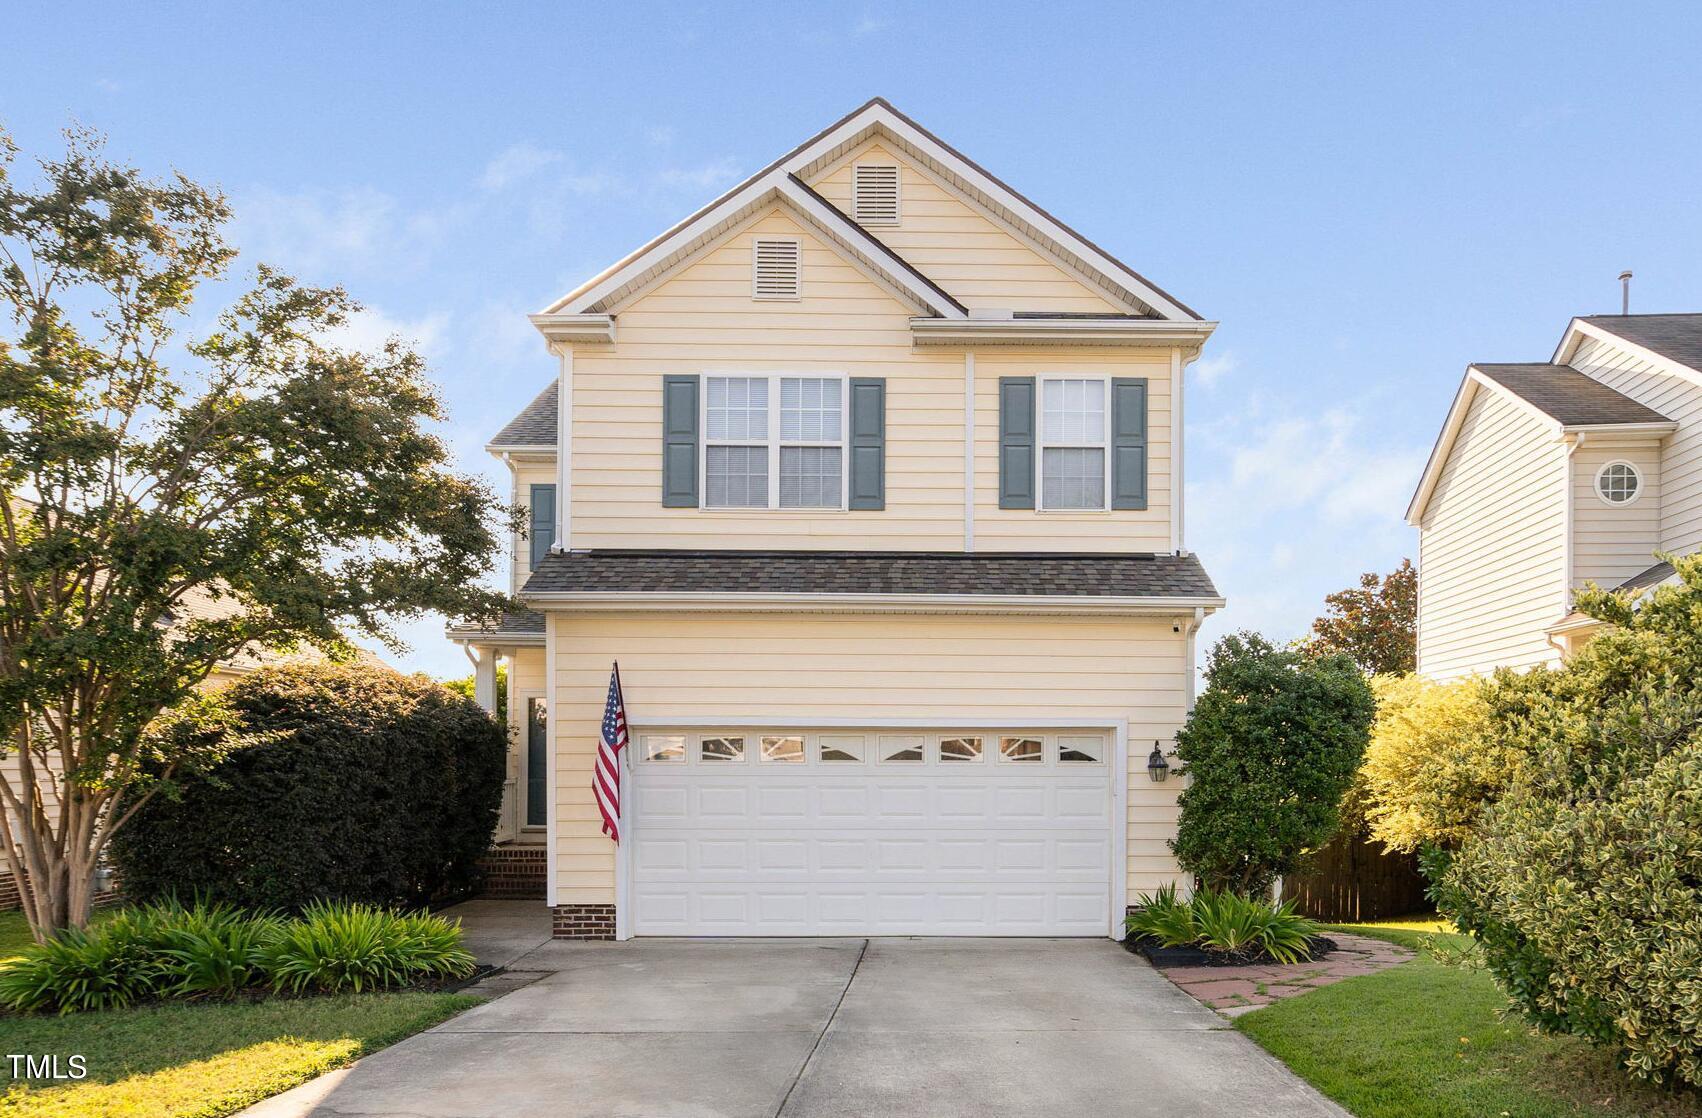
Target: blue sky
[[1366, 197]]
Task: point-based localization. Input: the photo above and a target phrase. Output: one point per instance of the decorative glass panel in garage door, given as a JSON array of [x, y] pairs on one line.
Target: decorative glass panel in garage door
[[873, 833]]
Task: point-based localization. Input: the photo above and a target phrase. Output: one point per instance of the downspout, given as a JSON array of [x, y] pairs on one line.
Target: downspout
[[564, 451], [969, 451], [1567, 547]]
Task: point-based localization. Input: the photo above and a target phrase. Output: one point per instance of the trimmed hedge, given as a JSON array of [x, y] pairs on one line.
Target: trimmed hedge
[[367, 785]]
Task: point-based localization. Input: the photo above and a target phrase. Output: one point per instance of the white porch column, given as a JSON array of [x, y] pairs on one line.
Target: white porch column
[[484, 679]]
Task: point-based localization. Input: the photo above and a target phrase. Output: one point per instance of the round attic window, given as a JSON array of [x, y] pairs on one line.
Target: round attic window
[[1618, 483]]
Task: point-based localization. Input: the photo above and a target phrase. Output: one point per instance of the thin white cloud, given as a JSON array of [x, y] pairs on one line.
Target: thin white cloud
[[718, 172], [1209, 370], [370, 328], [515, 163], [357, 230], [869, 25]]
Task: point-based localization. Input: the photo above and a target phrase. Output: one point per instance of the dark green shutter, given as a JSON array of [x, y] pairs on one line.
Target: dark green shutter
[[679, 441], [543, 531], [1016, 442], [1128, 443], [868, 443]]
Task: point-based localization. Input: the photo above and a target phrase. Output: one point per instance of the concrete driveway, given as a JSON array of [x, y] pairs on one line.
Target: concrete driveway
[[883, 1028]]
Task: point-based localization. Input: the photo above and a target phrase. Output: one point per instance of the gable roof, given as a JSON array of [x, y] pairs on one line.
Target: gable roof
[[1559, 394], [1569, 396], [1677, 337], [785, 177], [533, 427]]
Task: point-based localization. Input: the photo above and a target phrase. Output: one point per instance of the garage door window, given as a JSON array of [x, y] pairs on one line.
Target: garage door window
[[837, 748], [960, 749], [664, 747], [785, 749], [1081, 749], [1023, 750], [901, 748], [721, 749]]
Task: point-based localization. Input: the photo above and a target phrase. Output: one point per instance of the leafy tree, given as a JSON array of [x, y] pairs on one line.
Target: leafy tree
[[260, 465], [1269, 749], [1375, 623], [1582, 881], [1430, 769]]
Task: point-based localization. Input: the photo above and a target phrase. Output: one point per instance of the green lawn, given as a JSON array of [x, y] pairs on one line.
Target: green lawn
[[1426, 1040], [199, 1061]]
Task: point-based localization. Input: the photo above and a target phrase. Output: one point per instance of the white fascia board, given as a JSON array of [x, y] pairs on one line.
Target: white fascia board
[[521, 450], [1579, 330], [612, 278], [583, 328], [776, 184], [486, 639], [1443, 446], [719, 602], [877, 114], [1655, 429], [1069, 331]]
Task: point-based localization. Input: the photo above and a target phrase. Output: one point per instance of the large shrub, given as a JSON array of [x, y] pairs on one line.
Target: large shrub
[[364, 785], [1269, 749], [1583, 881], [1429, 769]]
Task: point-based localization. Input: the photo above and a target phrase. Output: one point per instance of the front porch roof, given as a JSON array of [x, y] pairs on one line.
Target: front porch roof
[[523, 627]]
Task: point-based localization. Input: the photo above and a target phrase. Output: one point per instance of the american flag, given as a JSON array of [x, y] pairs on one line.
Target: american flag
[[606, 779]]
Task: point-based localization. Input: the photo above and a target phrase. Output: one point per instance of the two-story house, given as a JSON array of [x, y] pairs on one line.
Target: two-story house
[[869, 476], [1551, 475]]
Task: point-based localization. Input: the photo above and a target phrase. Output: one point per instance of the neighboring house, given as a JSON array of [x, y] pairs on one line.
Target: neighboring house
[[1548, 476], [869, 475]]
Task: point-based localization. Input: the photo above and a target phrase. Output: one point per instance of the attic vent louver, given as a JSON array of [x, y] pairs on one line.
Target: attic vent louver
[[875, 186], [774, 269]]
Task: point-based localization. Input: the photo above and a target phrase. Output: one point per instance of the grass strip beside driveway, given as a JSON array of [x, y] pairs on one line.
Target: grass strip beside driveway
[[1428, 1040]]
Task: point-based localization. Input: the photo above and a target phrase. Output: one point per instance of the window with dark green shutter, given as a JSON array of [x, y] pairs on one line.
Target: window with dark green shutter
[[868, 443], [1128, 443], [679, 441], [1016, 442], [541, 533]]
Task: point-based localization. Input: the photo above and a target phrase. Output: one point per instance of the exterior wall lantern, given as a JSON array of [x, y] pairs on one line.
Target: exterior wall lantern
[[1156, 766]]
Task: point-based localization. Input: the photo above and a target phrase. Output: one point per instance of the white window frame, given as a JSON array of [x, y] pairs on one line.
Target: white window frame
[[523, 699], [1636, 472], [774, 441], [756, 251], [1042, 445]]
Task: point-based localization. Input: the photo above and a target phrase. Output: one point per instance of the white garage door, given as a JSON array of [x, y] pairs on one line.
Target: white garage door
[[767, 832]]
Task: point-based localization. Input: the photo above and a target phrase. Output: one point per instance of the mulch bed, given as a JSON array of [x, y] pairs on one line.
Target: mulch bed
[[1149, 948]]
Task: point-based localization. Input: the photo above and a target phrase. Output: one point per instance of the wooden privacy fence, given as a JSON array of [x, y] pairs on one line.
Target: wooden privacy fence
[[1352, 879]]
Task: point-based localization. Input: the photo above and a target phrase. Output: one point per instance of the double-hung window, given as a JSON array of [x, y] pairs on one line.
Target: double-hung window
[[774, 442], [1072, 443]]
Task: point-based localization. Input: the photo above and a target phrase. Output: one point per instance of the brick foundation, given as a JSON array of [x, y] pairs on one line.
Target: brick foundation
[[513, 873], [584, 921]]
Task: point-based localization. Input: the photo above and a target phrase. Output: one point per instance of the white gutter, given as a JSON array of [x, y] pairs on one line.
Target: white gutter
[[1059, 331], [720, 602]]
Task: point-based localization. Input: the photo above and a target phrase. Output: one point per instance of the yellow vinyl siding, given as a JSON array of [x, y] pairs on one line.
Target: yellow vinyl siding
[[1492, 547], [704, 321], [1679, 398], [790, 670], [974, 258], [1610, 543]]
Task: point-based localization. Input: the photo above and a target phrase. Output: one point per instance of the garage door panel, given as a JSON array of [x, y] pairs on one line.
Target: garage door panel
[[871, 848]]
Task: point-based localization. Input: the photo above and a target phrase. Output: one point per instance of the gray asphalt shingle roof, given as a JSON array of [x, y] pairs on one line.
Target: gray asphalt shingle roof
[[522, 623], [1568, 395], [1678, 336], [1142, 575], [1654, 576], [535, 426]]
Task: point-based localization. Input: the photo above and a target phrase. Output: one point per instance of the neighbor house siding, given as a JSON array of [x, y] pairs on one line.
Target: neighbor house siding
[[1492, 546], [787, 671], [958, 246], [704, 321], [1610, 543], [1679, 398]]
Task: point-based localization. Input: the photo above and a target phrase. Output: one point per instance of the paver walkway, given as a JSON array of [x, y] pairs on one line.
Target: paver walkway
[[1233, 991]]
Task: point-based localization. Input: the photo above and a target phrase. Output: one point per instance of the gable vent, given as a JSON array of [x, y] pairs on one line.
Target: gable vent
[[774, 269], [875, 186]]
